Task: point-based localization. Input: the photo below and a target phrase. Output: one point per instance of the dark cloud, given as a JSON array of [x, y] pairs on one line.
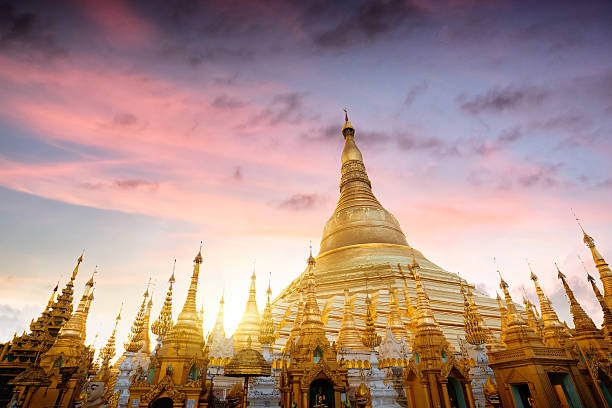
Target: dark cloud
[[502, 100], [283, 108], [433, 145], [124, 119], [415, 91], [228, 102], [24, 31], [300, 202], [510, 135], [367, 22], [237, 174], [132, 184]]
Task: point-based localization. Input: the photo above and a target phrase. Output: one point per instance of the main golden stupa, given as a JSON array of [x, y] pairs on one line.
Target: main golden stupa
[[363, 249]]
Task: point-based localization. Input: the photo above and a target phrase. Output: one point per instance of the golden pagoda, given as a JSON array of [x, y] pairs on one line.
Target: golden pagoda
[[531, 373], [476, 333], [600, 263], [349, 337], [362, 235], [57, 378], [554, 333], [163, 323], [138, 335], [23, 351], [314, 378], [592, 345], [370, 338], [433, 378], [178, 367], [266, 326], [249, 324], [220, 348], [607, 314], [394, 322]]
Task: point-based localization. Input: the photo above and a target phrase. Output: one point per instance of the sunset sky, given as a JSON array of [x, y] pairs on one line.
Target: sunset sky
[[136, 130]]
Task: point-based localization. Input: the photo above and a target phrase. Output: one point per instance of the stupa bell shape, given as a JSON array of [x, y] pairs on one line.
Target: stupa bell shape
[[358, 218], [249, 324]]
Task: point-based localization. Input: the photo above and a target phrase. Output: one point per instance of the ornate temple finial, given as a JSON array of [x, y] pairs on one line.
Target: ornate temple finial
[[582, 322], [310, 261], [312, 314], [370, 338], [171, 279], [266, 325], [605, 274], [108, 352], [588, 240], [164, 322], [136, 340], [476, 332], [76, 268], [347, 128], [198, 258]]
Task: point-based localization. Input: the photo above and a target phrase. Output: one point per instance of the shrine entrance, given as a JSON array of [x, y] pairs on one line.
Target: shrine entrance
[[321, 394], [455, 393], [161, 403]]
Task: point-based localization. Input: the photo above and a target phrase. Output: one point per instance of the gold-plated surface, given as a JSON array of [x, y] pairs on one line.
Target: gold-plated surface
[[249, 324], [247, 362], [136, 338], [163, 323], [582, 322], [362, 236], [349, 336], [554, 333], [266, 325]]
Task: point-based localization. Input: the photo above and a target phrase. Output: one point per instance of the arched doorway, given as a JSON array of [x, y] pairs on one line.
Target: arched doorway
[[320, 394], [455, 393], [161, 403]]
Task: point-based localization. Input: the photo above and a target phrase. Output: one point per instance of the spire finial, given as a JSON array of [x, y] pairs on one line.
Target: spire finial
[[560, 275], [198, 258], [347, 128], [577, 220], [310, 260]]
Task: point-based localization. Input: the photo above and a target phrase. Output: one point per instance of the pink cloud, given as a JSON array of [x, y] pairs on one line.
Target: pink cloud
[[119, 24]]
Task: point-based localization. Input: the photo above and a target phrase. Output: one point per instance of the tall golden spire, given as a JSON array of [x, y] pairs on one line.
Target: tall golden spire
[[164, 322], [411, 313], [503, 314], [297, 321], [358, 217], [554, 333], [73, 328], [582, 322], [136, 339], [266, 327], [476, 332], [607, 314], [312, 322], [424, 316], [394, 321], [348, 336], [219, 322], [249, 324], [185, 334], [532, 320], [108, 352], [370, 338], [600, 263], [518, 331], [71, 337], [146, 340]]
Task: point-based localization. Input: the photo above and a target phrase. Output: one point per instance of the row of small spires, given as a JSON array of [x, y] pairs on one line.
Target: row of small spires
[[546, 324]]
